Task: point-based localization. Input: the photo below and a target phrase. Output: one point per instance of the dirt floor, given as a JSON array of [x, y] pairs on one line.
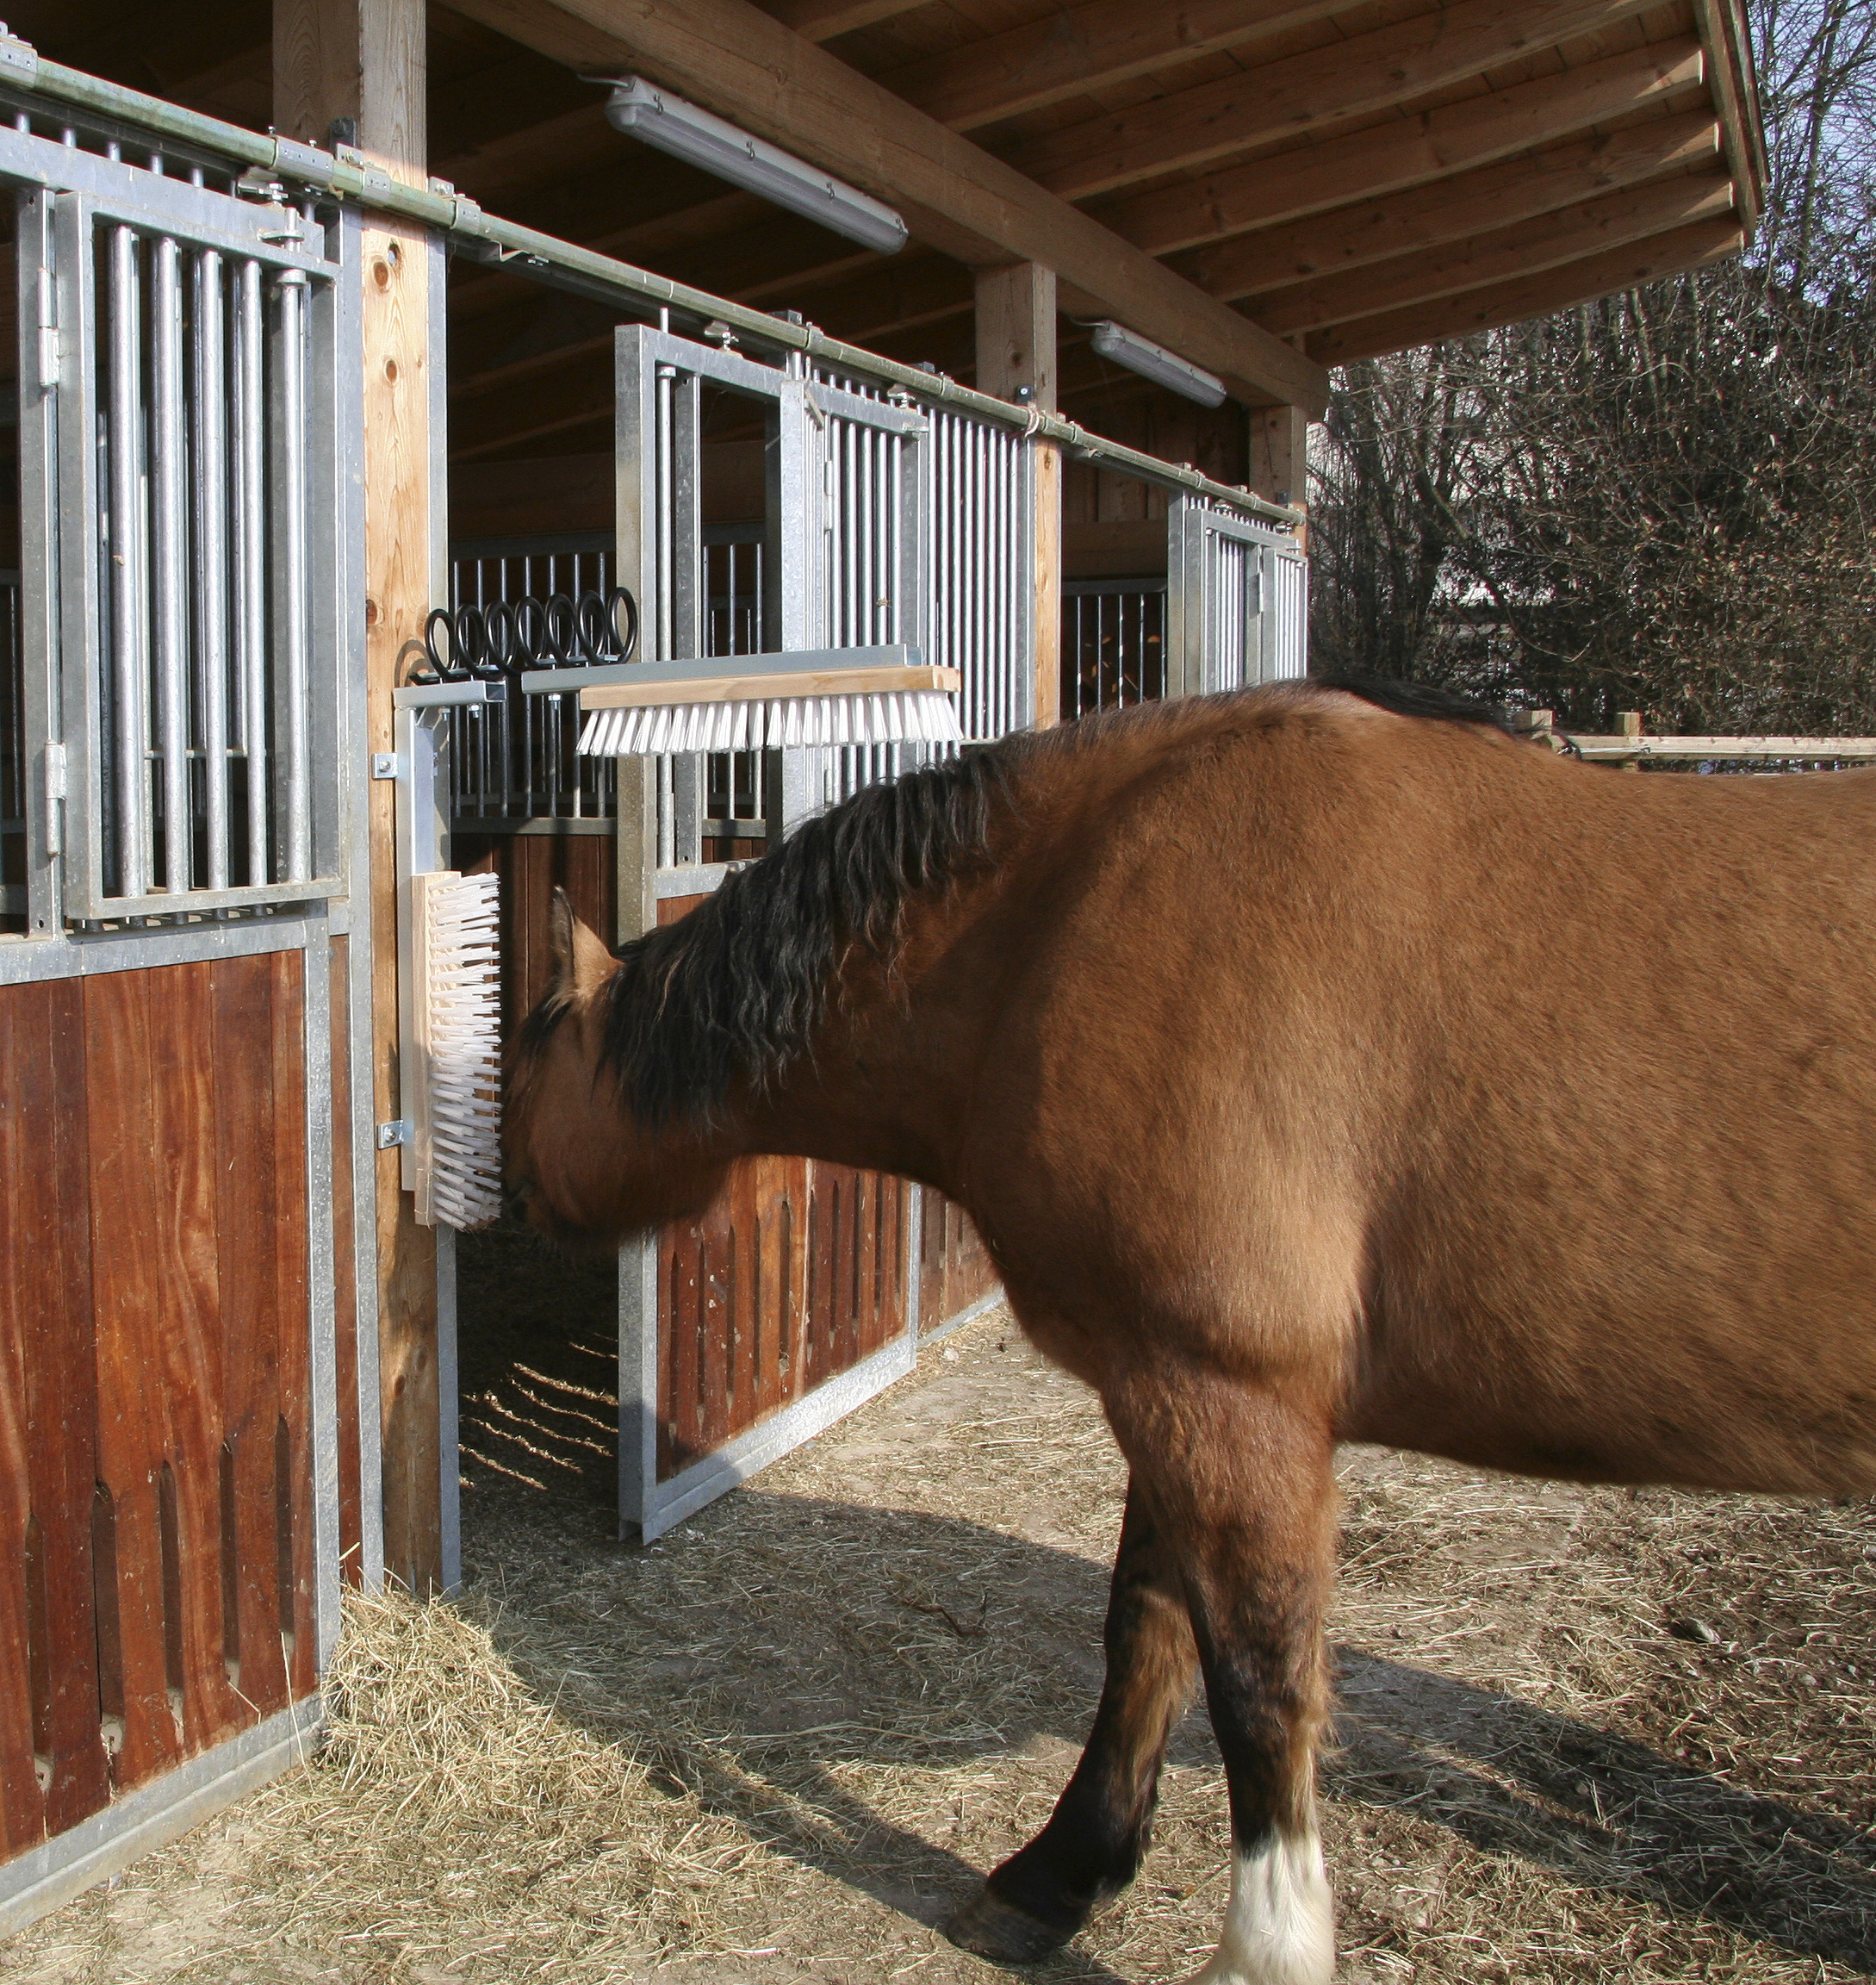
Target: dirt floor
[[1584, 1734]]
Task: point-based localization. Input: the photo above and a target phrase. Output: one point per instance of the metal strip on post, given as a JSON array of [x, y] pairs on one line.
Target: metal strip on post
[[42, 335]]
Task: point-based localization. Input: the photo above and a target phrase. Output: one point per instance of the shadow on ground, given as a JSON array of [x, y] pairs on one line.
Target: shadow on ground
[[769, 1690]]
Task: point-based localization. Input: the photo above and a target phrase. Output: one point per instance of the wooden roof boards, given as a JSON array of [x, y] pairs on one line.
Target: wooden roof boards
[[1257, 148], [1270, 187]]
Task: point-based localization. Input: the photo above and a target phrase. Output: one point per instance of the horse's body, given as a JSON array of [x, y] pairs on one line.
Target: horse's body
[[1314, 1073]]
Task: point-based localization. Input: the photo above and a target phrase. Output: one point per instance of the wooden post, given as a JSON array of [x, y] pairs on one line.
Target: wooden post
[[1280, 456], [364, 60], [1631, 722], [1015, 349]]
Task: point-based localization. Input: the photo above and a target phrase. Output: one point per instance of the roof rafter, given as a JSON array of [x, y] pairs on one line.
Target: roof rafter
[[1534, 296], [1378, 70], [1444, 210], [1411, 150], [1082, 48], [1502, 254]]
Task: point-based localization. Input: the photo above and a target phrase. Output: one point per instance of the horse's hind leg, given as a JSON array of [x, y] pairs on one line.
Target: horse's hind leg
[[1241, 1484], [1097, 1835]]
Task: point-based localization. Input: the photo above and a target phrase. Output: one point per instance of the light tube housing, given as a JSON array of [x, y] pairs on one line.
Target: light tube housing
[[687, 131], [1154, 362]]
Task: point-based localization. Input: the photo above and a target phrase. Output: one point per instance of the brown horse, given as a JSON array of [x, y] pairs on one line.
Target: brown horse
[[1315, 1071]]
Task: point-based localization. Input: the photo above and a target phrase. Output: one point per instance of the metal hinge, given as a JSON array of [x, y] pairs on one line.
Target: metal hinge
[[386, 765], [56, 775], [391, 1135], [50, 352]]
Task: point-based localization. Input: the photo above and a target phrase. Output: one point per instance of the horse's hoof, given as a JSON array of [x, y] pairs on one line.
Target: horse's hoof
[[988, 1926]]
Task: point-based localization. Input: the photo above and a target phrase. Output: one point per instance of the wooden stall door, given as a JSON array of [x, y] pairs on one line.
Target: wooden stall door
[[157, 1551]]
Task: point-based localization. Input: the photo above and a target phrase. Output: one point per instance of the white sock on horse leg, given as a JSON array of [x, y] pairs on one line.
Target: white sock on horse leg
[[1279, 1927]]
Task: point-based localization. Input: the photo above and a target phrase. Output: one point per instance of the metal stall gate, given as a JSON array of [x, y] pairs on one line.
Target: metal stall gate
[[798, 1295], [177, 1479], [1237, 601]]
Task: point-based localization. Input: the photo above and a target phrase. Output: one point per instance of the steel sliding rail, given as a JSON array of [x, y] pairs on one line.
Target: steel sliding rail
[[349, 174]]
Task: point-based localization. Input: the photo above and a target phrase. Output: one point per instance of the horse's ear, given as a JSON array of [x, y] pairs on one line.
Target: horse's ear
[[582, 961]]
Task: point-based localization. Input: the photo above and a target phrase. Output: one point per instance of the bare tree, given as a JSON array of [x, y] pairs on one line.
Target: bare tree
[[1665, 501]]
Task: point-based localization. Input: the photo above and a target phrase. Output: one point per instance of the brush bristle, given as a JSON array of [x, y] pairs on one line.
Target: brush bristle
[[464, 993], [879, 717]]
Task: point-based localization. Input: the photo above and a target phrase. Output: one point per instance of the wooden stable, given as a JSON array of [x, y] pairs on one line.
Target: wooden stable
[[328, 313]]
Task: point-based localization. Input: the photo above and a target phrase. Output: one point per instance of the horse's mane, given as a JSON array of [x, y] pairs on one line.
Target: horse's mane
[[737, 990], [1418, 699]]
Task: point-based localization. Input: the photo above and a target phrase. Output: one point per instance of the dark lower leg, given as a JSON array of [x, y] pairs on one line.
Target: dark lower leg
[[1257, 1542], [1098, 1833]]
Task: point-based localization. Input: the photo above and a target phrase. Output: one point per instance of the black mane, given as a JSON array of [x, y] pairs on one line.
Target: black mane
[[738, 988], [736, 991], [1417, 699]]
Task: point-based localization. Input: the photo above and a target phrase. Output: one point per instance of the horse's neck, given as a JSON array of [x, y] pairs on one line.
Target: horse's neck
[[888, 1083]]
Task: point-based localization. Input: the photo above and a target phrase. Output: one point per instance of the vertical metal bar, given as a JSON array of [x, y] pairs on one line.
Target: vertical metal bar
[[665, 522], [322, 1372], [688, 579], [131, 679], [292, 731], [250, 569], [168, 550], [354, 826], [58, 548], [209, 452]]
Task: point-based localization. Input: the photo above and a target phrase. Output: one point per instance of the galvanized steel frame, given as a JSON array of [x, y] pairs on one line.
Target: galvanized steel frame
[[62, 191], [1229, 606], [274, 561]]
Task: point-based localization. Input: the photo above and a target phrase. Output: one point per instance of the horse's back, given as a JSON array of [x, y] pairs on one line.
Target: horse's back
[[1558, 1083]]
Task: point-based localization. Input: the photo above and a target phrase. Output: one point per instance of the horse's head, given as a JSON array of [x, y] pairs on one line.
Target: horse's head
[[578, 1163]]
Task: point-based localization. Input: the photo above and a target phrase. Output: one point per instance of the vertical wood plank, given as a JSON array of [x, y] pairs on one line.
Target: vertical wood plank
[[366, 62], [188, 1102], [1015, 353], [47, 1416], [286, 1528], [127, 1218], [251, 1199]]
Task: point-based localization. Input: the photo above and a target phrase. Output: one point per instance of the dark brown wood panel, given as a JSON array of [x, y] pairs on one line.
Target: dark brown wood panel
[[49, 1694], [156, 1549], [796, 1274], [531, 866], [955, 1269]]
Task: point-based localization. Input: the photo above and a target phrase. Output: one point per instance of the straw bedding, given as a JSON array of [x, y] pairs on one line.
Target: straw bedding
[[1584, 1734]]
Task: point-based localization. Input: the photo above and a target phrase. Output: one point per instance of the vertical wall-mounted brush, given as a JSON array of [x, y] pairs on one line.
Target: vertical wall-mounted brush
[[449, 982], [455, 1108]]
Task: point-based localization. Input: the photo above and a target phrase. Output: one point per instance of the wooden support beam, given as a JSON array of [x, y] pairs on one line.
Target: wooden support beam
[[364, 59], [1279, 454], [1016, 358], [1537, 295], [1503, 254], [1379, 71], [1428, 217], [1076, 49], [739, 62], [822, 20]]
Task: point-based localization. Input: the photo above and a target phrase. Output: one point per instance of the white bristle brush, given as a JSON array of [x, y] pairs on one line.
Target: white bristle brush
[[456, 973], [821, 697]]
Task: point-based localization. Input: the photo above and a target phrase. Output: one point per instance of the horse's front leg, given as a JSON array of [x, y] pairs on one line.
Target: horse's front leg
[[1094, 1842], [1240, 1481]]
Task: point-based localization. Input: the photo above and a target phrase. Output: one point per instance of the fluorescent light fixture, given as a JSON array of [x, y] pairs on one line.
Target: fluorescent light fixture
[[694, 134], [1154, 362]]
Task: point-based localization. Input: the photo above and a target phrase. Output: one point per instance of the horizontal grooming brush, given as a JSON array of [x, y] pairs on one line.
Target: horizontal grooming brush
[[823, 697]]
